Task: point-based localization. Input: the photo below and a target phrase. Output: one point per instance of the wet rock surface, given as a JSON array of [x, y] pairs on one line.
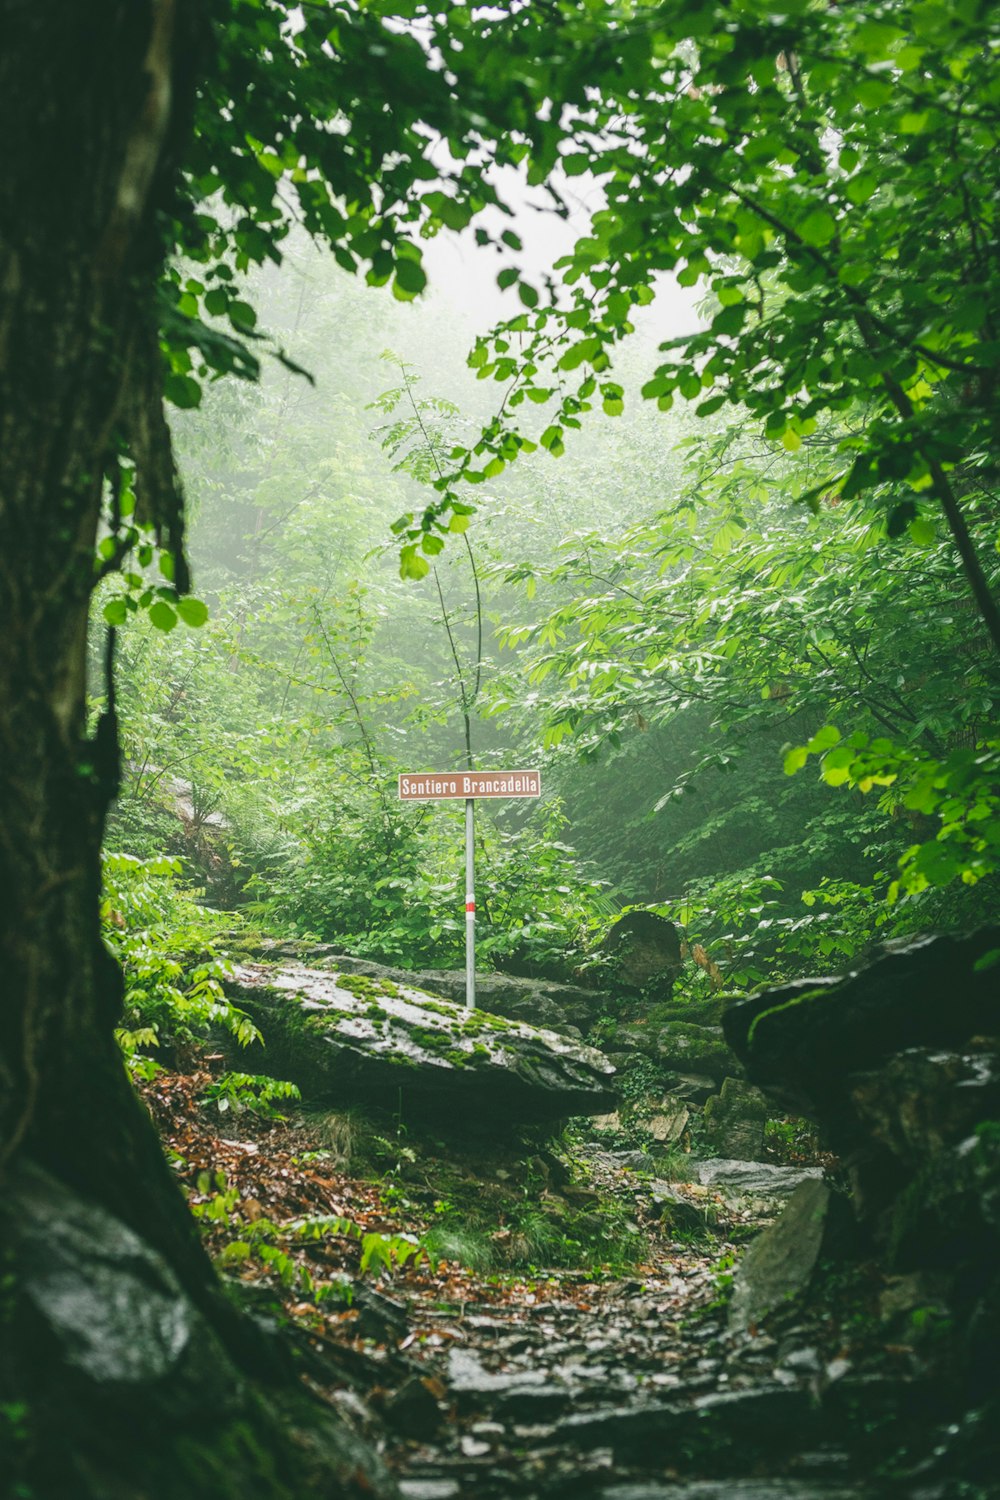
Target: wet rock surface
[[687, 1047], [735, 1120], [352, 1038], [763, 1186], [108, 1302], [803, 1039], [635, 1024], [781, 1261], [598, 1384], [125, 1387], [647, 950], [539, 1002], [899, 1064], [633, 1390]]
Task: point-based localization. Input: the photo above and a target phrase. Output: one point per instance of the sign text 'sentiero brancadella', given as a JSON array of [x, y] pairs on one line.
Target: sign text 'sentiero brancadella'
[[441, 786]]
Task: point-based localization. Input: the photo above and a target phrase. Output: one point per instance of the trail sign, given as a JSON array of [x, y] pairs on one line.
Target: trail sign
[[455, 786], [445, 786]]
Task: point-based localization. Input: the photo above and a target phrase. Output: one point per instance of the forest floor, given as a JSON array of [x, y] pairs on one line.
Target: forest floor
[[610, 1375]]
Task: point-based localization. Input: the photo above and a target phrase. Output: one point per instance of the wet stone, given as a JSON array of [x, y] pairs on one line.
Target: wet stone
[[357, 1039], [697, 1049], [779, 1264], [467, 1376], [733, 1489], [413, 1409], [731, 1417], [735, 1119], [430, 1489], [647, 949], [761, 1184]]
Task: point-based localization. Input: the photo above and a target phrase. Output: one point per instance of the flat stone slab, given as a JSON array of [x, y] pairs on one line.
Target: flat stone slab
[[540, 1002], [768, 1186], [748, 1419], [779, 1264], [353, 1038]]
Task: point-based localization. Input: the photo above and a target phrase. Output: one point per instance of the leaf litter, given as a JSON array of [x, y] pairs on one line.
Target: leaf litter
[[545, 1382]]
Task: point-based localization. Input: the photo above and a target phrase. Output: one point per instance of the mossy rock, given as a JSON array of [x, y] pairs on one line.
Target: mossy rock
[[801, 1040], [707, 1010], [696, 1049], [346, 1039]]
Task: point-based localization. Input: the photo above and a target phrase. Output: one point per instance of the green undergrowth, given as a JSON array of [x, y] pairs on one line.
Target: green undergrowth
[[516, 1205], [251, 1239], [173, 961]]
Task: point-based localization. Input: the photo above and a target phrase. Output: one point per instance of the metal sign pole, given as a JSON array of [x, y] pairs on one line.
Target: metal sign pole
[[470, 904]]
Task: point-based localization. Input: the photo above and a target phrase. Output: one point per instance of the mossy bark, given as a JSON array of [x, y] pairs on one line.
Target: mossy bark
[[108, 89]]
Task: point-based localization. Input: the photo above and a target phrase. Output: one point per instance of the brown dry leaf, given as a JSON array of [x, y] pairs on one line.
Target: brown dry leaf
[[709, 965]]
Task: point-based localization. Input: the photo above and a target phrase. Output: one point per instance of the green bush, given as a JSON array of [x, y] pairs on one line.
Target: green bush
[[167, 946]]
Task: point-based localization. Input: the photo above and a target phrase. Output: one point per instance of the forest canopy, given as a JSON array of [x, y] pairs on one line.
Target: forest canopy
[[843, 367]]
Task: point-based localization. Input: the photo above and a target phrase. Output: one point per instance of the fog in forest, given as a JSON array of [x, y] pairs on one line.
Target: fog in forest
[[599, 618]]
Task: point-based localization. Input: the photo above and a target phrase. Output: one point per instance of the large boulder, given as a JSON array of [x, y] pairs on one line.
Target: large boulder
[[539, 1002], [684, 1047], [899, 1065], [735, 1118], [801, 1040], [898, 1062], [347, 1037], [114, 1383], [778, 1267], [647, 950]]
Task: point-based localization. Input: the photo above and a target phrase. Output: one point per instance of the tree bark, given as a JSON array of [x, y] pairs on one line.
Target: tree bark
[[93, 101], [78, 258]]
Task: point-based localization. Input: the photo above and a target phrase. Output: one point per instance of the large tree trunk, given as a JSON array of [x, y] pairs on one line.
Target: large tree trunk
[[93, 101]]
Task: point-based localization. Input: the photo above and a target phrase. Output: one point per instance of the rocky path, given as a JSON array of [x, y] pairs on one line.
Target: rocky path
[[624, 1390], [547, 1385]]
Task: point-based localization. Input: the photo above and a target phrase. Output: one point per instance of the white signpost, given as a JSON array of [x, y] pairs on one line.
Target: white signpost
[[456, 786]]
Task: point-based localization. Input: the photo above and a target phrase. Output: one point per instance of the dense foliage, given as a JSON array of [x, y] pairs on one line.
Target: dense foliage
[[777, 578]]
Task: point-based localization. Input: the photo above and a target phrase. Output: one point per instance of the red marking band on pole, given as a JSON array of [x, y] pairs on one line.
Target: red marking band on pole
[[470, 906]]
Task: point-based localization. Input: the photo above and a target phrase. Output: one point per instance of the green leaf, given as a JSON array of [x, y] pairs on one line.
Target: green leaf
[[242, 315], [162, 616], [192, 611], [836, 767], [923, 531], [182, 390], [795, 759], [824, 739], [818, 228], [116, 611], [411, 564], [410, 280]]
